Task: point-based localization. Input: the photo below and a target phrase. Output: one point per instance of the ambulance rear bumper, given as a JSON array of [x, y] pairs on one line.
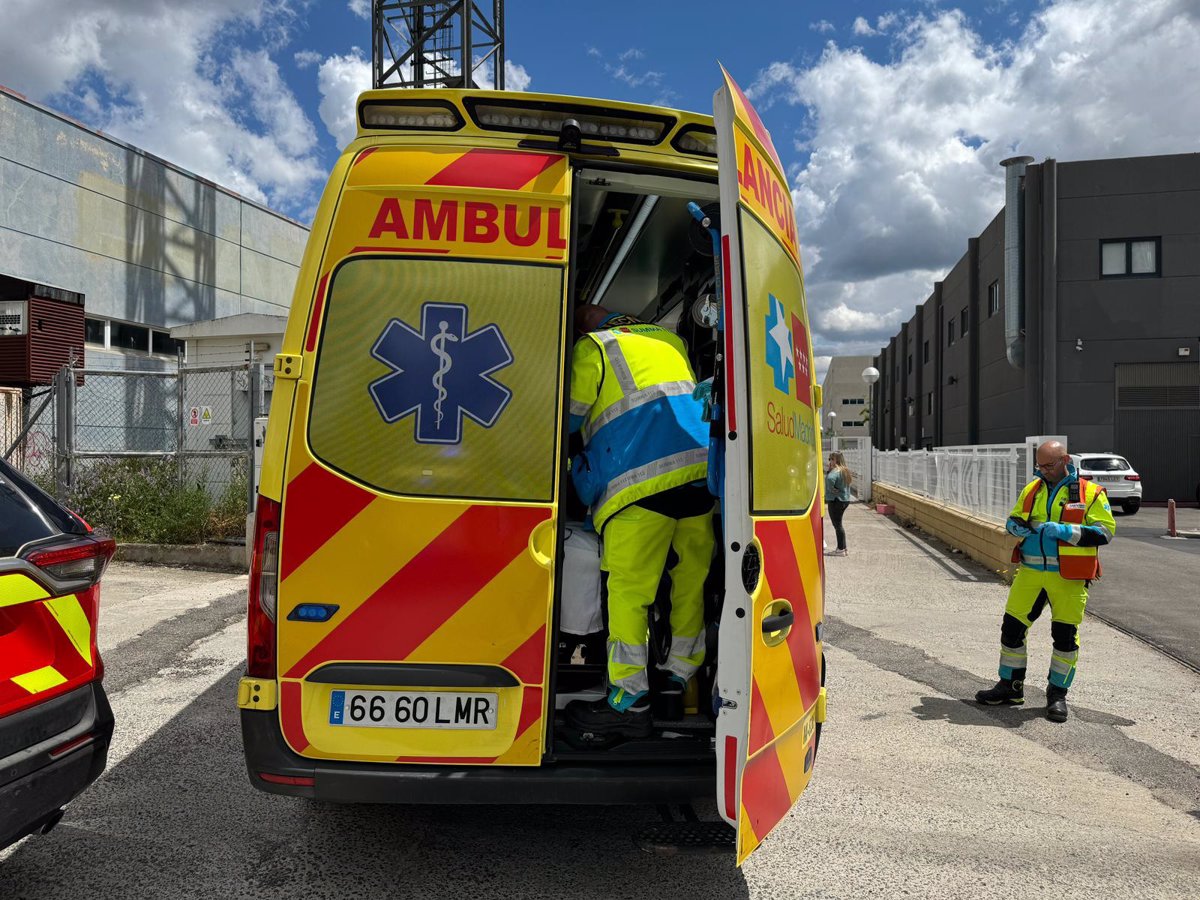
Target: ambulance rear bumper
[[553, 782]]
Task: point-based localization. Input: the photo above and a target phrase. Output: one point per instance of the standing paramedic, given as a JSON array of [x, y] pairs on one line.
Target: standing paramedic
[[642, 472], [1061, 520]]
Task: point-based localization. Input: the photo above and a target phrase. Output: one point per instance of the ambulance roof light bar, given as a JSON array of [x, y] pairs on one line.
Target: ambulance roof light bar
[[542, 117]]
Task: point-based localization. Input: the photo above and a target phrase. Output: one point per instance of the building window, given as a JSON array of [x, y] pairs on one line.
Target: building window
[[993, 298], [929, 404], [910, 364], [1136, 257], [123, 336], [93, 331], [161, 342], [925, 351], [962, 318], [949, 332]]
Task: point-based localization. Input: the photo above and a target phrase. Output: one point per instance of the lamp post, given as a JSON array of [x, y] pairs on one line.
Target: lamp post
[[870, 375], [832, 424]]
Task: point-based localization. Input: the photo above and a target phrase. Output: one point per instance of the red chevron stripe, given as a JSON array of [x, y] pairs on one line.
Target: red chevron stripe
[[508, 170], [318, 505], [817, 521], [310, 342], [425, 593], [528, 662], [764, 136], [765, 795], [761, 732], [783, 574], [291, 716]]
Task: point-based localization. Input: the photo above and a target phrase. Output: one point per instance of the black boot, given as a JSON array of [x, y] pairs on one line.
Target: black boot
[[1005, 693], [1056, 703], [598, 718]]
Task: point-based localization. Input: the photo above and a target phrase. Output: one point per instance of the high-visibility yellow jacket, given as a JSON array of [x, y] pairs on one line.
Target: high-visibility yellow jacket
[[1078, 505], [631, 393]]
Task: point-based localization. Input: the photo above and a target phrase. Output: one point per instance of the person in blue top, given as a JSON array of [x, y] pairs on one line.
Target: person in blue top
[[837, 497], [1061, 521]]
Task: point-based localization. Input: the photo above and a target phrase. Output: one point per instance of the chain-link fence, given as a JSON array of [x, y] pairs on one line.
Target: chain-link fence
[[161, 456]]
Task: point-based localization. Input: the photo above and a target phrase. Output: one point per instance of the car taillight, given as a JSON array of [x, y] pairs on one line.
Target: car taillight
[[264, 591], [1133, 477], [76, 562]]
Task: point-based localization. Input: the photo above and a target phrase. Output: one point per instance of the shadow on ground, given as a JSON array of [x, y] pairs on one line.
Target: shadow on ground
[[178, 818], [968, 712]]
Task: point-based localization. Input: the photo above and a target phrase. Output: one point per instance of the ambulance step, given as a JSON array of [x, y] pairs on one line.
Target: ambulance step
[[687, 837]]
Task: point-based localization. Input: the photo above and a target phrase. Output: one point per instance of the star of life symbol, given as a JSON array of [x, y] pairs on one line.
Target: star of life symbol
[[441, 373], [780, 353]]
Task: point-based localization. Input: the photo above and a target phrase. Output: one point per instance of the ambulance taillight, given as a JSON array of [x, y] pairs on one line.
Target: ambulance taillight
[[264, 590]]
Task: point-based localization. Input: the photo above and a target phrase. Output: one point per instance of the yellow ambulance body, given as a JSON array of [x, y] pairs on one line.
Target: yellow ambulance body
[[404, 604]]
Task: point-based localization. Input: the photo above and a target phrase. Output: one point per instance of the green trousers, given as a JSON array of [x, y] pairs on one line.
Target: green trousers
[[1031, 591], [636, 544]]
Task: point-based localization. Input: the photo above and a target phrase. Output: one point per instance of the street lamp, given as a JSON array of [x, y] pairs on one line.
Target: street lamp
[[870, 375], [832, 423]]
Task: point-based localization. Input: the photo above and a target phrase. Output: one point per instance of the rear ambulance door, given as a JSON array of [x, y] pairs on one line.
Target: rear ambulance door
[[769, 666], [418, 536]]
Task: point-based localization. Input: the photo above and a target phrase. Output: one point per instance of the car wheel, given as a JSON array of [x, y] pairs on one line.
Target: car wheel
[[1131, 506]]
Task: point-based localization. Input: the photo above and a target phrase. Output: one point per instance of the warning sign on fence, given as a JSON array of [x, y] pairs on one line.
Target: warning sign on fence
[[200, 415]]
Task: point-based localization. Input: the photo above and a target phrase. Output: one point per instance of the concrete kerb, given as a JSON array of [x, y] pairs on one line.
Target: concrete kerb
[[214, 557], [983, 541]]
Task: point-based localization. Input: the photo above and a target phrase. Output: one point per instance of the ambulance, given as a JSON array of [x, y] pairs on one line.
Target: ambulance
[[406, 590]]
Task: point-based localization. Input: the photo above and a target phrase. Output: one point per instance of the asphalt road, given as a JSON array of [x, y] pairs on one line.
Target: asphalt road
[[1151, 583], [917, 793]]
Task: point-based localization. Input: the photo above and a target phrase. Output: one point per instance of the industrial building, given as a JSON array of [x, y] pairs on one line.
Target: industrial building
[[844, 410], [104, 248], [1075, 312]]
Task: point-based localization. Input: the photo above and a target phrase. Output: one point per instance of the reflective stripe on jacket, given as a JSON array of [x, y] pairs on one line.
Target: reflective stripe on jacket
[[1039, 503], [631, 391]]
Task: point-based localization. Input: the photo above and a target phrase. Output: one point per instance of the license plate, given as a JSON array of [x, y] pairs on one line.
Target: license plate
[[414, 709], [1109, 478]]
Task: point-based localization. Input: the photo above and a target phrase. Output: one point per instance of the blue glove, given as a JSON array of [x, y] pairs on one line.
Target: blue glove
[[1016, 529], [1056, 531]]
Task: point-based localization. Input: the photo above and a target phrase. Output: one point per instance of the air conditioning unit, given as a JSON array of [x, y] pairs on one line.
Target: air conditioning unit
[[14, 317]]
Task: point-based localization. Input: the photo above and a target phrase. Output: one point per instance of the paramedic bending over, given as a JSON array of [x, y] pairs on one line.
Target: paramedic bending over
[[642, 472]]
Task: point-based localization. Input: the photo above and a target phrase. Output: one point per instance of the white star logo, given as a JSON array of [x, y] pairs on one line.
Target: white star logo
[[782, 335]]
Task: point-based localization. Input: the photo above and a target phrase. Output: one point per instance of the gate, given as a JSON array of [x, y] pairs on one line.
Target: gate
[[1158, 427]]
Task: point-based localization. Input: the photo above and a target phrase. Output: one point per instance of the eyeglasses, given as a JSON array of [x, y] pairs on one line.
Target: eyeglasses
[[1047, 466]]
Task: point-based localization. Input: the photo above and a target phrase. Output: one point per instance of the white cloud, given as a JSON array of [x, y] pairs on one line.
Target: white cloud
[[153, 74], [824, 26], [306, 59], [902, 155], [361, 8], [515, 77], [632, 53], [340, 80], [863, 27]]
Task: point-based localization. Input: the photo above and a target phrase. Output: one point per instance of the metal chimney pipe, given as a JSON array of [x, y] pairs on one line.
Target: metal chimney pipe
[[1014, 258]]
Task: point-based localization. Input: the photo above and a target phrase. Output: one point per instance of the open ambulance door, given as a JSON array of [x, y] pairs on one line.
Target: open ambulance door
[[418, 544], [770, 654]]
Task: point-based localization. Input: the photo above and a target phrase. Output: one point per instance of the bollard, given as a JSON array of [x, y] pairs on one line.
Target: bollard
[[1171, 518]]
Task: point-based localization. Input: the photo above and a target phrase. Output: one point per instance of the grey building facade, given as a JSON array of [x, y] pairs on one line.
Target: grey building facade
[[149, 245], [1092, 330], [845, 394]]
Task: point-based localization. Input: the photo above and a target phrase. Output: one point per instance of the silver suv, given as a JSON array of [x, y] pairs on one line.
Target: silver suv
[[1113, 473]]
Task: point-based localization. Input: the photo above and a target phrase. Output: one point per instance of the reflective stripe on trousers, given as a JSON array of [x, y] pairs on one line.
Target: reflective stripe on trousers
[[636, 544]]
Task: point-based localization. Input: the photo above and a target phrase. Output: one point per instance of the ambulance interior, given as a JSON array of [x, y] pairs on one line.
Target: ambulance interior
[[639, 251]]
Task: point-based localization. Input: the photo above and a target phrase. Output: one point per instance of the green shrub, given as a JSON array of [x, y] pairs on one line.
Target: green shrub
[[142, 500]]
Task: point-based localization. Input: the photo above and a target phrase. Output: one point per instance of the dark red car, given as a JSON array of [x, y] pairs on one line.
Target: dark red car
[[55, 721]]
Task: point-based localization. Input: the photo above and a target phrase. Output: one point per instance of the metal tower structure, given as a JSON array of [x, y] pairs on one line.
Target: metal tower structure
[[438, 44]]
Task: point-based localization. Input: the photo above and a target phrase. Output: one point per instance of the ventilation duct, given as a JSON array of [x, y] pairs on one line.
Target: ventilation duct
[[1014, 258]]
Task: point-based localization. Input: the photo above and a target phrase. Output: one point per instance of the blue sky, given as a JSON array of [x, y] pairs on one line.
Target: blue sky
[[891, 117]]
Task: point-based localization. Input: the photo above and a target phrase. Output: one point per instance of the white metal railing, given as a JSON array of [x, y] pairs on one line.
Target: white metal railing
[[982, 479]]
